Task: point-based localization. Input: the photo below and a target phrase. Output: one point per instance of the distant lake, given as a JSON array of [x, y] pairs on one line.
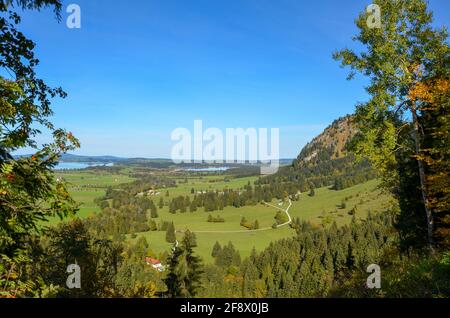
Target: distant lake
[[80, 165], [209, 169]]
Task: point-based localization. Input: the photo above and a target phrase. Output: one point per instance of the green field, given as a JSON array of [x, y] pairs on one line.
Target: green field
[[206, 183], [85, 186], [321, 209]]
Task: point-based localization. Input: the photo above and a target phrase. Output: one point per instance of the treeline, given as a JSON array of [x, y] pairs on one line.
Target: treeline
[[144, 183], [310, 264], [126, 212], [113, 222], [216, 200], [338, 173]]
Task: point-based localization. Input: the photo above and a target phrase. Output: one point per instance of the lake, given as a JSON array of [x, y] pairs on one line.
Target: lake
[[80, 165], [209, 169]]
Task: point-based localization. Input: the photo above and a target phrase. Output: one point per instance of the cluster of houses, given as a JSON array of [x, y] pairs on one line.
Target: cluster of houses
[[149, 193]]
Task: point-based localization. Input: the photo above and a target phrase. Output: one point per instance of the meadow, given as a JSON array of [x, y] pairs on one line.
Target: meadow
[[87, 185]]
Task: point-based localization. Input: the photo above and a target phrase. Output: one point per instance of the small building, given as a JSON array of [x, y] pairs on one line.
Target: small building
[[156, 264]]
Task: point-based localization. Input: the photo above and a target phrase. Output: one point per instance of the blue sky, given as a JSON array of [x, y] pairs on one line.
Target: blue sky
[[136, 70]]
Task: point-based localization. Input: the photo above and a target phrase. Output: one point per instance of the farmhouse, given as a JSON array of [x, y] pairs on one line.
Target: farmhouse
[[153, 192], [156, 264]]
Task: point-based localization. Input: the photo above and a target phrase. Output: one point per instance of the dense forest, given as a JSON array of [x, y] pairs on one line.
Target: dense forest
[[401, 135]]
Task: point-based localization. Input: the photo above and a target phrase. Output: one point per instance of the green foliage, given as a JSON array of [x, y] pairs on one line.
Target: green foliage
[[71, 243], [216, 219], [309, 265], [227, 257], [281, 218], [153, 211], [217, 249], [190, 239], [402, 276], [185, 270], [170, 233], [401, 58], [29, 192]]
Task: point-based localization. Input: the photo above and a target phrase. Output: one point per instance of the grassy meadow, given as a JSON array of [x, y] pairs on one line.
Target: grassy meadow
[[87, 185]]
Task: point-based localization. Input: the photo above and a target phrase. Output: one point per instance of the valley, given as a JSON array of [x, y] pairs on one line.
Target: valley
[[321, 210]]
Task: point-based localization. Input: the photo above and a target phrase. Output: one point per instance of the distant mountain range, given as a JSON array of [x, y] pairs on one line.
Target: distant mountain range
[[77, 158], [152, 161], [113, 159]]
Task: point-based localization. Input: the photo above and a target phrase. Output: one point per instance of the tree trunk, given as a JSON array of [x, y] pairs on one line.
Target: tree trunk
[[423, 189]]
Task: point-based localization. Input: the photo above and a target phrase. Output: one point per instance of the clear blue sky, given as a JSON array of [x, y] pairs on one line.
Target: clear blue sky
[[136, 70]]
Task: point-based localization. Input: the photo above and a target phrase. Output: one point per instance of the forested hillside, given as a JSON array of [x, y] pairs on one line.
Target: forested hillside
[[327, 161]]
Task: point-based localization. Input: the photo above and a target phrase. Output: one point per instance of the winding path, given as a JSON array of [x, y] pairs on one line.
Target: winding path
[[259, 230]]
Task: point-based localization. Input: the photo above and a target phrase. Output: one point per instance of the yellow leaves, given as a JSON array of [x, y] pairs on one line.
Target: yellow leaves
[[146, 291], [420, 91], [233, 279], [429, 91]]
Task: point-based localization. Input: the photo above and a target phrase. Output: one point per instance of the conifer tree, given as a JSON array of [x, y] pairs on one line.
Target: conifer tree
[[217, 249], [173, 280], [153, 212], [170, 233], [192, 279]]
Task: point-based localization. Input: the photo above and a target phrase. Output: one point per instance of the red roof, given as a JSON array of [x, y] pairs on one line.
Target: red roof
[[152, 261]]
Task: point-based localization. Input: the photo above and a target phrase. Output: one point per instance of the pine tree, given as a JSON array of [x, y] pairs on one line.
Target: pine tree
[[185, 271], [217, 249], [153, 212], [190, 239], [170, 233], [192, 280], [173, 280], [172, 207]]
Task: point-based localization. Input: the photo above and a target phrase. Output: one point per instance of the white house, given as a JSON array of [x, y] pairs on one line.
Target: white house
[[156, 264]]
